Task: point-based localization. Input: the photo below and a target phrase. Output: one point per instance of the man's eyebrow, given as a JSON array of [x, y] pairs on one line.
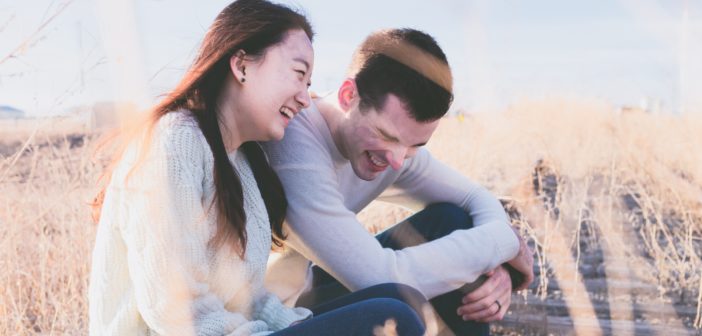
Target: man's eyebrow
[[387, 135], [395, 139], [298, 59]]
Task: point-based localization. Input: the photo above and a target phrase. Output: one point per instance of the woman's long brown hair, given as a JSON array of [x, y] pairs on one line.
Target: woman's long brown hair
[[251, 26]]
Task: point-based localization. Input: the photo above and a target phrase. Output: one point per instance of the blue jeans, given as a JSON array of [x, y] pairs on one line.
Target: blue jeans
[[434, 222], [359, 313]]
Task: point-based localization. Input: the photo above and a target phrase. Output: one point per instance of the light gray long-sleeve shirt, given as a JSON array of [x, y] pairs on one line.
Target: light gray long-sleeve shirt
[[325, 195]]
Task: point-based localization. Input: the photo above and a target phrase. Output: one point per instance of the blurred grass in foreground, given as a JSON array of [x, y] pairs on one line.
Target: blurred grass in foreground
[[600, 195]]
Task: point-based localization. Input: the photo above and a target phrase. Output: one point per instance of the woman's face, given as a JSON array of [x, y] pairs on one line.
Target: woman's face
[[275, 87]]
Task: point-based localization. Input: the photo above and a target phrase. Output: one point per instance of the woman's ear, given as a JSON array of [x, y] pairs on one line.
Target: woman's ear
[[237, 65], [347, 94]]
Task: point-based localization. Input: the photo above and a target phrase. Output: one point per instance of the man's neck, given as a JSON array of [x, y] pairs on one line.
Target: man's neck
[[334, 116]]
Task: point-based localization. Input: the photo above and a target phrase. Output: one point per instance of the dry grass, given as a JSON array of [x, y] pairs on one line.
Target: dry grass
[[583, 182], [628, 186], [46, 238]]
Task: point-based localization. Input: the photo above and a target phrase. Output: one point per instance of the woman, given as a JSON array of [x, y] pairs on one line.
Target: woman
[[192, 206]]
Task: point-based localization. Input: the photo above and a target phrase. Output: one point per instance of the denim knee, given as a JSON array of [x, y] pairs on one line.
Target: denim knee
[[384, 309], [450, 214], [389, 306]]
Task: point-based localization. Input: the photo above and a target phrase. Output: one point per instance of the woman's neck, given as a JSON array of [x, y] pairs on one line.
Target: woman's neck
[[228, 127], [233, 135]]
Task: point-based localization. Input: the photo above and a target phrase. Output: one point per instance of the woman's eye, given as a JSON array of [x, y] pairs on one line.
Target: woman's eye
[[302, 75]]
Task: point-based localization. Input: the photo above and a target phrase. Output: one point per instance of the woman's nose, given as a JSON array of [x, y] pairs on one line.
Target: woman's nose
[[303, 98]]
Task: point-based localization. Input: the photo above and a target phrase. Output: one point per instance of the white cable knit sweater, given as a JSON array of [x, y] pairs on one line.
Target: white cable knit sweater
[[152, 272]]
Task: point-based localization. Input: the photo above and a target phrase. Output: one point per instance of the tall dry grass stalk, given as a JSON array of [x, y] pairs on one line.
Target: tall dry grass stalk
[[629, 185]]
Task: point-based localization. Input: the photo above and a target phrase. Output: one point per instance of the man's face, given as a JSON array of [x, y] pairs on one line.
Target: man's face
[[376, 140]]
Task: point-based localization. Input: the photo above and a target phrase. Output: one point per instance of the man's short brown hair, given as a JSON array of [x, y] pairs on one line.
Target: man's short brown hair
[[407, 63]]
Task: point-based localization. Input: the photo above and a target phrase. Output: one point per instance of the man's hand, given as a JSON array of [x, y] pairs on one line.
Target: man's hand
[[523, 264], [490, 301]]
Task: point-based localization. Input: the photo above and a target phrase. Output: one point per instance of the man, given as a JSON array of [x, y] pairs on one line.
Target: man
[[366, 143]]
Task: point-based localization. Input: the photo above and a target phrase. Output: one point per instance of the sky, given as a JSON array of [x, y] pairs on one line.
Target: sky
[[55, 55]]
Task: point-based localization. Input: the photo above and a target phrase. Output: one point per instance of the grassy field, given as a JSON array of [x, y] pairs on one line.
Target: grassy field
[[612, 203]]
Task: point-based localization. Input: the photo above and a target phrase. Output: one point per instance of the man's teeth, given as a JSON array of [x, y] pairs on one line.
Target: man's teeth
[[287, 112], [376, 161]]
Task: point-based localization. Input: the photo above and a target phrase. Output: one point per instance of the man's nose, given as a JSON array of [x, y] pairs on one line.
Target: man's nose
[[397, 156]]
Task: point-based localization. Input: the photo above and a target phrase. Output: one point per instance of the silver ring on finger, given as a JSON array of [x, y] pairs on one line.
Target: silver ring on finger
[[499, 306]]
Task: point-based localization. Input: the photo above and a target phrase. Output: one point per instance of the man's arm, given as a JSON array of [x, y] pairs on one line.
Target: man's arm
[[425, 180], [484, 209], [430, 181], [327, 233]]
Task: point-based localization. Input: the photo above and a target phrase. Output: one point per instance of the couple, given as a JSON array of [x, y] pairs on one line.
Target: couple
[[194, 202]]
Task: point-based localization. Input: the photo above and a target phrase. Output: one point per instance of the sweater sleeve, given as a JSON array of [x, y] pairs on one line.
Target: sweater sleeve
[[166, 233], [425, 180], [277, 315]]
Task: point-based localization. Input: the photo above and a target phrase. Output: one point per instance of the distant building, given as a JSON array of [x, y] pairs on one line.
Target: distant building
[[9, 112]]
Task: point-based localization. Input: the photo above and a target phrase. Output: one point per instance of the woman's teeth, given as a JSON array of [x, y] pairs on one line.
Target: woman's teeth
[[287, 112]]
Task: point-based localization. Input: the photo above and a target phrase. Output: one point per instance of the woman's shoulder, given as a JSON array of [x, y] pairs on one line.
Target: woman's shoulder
[[182, 120], [179, 130], [178, 123]]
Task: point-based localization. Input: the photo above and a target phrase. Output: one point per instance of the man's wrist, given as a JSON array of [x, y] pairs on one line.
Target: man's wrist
[[515, 276]]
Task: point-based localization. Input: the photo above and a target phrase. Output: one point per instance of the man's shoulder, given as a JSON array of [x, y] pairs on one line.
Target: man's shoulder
[[303, 142], [419, 161]]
